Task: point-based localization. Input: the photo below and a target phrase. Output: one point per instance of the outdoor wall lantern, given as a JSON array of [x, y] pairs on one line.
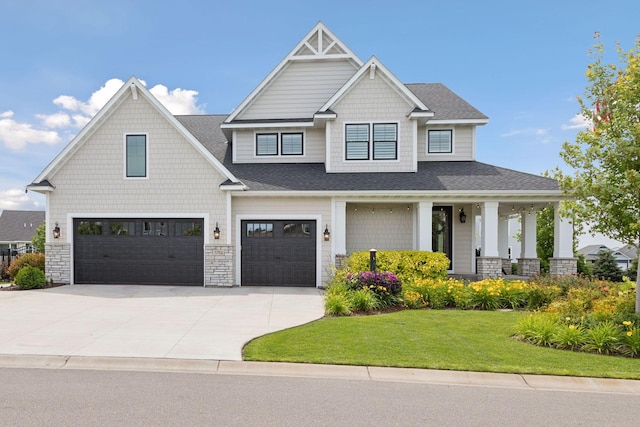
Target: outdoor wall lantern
[[56, 231], [216, 232], [326, 233], [463, 216]]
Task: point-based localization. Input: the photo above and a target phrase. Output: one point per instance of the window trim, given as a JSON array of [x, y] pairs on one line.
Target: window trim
[[279, 153], [371, 142], [301, 153], [441, 153], [258, 134], [126, 159]]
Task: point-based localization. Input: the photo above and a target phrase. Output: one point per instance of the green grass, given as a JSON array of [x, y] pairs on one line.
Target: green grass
[[436, 339]]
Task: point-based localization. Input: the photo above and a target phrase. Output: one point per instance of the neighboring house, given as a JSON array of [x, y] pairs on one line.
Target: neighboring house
[[17, 228], [630, 251], [328, 155], [591, 252]]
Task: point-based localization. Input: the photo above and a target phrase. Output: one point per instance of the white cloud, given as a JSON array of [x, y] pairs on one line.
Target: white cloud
[[16, 199], [56, 120], [16, 135], [76, 113], [95, 102], [178, 101], [577, 122], [525, 132]]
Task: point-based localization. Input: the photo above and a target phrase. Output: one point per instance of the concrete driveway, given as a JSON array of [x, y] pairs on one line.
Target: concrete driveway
[[149, 321]]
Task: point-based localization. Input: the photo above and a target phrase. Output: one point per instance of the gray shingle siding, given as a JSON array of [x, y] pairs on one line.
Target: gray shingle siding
[[19, 226]]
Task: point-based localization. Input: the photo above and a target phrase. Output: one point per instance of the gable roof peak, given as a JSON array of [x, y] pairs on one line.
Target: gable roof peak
[[318, 44], [373, 66]]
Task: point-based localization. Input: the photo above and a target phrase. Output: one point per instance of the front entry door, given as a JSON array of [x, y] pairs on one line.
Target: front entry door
[[441, 233]]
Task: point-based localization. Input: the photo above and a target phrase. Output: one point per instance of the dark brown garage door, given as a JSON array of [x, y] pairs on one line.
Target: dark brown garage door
[[139, 251], [280, 253]]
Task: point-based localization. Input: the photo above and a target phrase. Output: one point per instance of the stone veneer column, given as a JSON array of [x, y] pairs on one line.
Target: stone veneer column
[[562, 263], [528, 266], [562, 266], [218, 265], [58, 262], [506, 265], [489, 267]]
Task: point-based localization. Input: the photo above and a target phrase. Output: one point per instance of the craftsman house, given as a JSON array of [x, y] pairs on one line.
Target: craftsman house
[[328, 155]]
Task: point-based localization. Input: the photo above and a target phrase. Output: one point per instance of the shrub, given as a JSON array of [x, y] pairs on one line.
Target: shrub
[[413, 299], [337, 304], [630, 340], [363, 300], [437, 293], [33, 260], [30, 278], [384, 285], [4, 274], [540, 296], [407, 265], [537, 329], [485, 294], [602, 338], [570, 337]]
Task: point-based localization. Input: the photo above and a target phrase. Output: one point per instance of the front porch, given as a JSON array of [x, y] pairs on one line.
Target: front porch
[[473, 235]]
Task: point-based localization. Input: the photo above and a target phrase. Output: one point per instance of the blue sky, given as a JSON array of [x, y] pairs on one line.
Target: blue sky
[[521, 63]]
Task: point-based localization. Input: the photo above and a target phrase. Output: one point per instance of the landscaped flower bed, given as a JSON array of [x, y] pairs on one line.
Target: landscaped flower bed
[[572, 312]]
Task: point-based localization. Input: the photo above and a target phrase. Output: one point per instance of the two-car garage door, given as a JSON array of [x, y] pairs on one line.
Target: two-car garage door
[[139, 251], [151, 251]]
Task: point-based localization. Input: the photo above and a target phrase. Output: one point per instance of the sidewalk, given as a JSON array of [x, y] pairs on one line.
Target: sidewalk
[[361, 373]]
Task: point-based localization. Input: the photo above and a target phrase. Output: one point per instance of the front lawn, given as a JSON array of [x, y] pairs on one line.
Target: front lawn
[[435, 339]]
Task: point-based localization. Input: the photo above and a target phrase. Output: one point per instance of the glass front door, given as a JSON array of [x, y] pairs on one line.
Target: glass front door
[[441, 233]]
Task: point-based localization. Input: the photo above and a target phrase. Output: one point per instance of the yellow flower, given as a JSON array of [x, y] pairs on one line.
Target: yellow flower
[[572, 327], [626, 323], [567, 318], [629, 333]]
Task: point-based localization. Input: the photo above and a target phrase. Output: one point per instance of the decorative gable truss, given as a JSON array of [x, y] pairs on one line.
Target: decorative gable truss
[[291, 93]]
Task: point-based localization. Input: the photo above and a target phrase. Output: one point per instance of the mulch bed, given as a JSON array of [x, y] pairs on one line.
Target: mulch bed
[[17, 288]]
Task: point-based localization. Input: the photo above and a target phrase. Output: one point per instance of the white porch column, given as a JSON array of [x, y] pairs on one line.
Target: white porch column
[[490, 229], [503, 238], [425, 219], [339, 234], [528, 233], [562, 235]]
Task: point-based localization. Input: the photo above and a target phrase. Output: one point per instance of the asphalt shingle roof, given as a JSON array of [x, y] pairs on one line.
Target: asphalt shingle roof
[[19, 226], [431, 176], [444, 103]]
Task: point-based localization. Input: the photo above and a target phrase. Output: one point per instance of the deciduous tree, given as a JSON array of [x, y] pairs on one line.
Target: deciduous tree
[[605, 157]]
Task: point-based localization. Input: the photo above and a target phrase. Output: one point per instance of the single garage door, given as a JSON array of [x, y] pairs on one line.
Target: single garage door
[[139, 251], [280, 253]]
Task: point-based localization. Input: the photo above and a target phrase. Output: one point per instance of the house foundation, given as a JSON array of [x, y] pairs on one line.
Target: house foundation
[[218, 265], [563, 266], [506, 265], [489, 267], [528, 266], [58, 262]]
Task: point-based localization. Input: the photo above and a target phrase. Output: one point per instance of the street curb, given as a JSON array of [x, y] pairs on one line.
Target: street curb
[[346, 372]]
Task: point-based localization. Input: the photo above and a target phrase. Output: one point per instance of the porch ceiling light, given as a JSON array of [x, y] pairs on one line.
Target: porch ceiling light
[[326, 233], [56, 231], [216, 232], [463, 216]]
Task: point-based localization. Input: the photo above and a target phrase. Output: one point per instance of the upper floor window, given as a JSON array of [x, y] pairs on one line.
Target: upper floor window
[[267, 144], [385, 141], [136, 156], [359, 144], [440, 141], [289, 144]]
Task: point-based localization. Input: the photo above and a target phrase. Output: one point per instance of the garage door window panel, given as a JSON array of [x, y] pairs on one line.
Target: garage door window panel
[[154, 228], [297, 230], [188, 228], [90, 228], [122, 228], [260, 230]]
